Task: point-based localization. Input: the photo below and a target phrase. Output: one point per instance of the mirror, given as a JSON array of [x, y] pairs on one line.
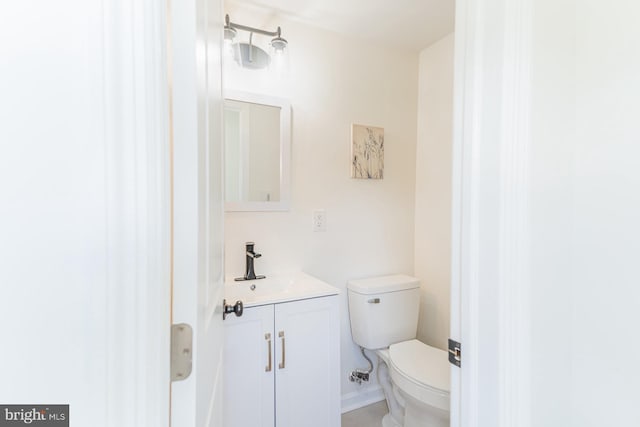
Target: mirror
[[257, 142]]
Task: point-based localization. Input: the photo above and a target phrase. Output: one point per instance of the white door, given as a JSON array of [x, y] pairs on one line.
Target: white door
[[53, 229], [249, 380], [585, 210], [546, 242], [198, 205], [84, 288]]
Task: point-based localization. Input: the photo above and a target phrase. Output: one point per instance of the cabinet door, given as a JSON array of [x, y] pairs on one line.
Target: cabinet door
[[249, 365], [308, 363]]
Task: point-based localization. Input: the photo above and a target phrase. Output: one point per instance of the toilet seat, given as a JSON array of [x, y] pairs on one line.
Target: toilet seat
[[421, 371]]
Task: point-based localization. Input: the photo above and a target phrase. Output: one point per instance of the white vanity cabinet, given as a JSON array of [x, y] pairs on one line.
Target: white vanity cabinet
[[282, 365], [248, 367]]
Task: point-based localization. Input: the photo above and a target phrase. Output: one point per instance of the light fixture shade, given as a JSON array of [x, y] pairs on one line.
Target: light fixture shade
[[279, 51], [279, 44], [230, 51], [229, 33]]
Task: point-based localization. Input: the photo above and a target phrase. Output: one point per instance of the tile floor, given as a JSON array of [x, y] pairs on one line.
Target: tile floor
[[368, 416]]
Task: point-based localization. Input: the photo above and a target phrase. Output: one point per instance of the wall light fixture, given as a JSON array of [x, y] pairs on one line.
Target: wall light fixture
[[247, 54]]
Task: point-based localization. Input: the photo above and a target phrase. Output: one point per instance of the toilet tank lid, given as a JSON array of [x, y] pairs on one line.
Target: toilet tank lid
[[382, 284]]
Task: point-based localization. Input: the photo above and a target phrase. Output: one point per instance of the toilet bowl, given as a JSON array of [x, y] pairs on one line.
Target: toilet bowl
[[420, 374], [414, 376], [415, 381]]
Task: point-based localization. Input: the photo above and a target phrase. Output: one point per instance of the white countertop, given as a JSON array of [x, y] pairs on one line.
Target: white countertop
[[276, 288]]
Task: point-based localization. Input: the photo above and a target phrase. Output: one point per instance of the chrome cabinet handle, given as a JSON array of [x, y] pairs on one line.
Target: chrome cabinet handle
[[281, 335], [268, 338]]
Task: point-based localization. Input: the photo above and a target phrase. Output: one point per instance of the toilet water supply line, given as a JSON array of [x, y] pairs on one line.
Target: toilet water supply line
[[360, 375]]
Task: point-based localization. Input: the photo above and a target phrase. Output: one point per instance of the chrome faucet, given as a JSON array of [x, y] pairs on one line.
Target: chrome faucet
[[251, 255]]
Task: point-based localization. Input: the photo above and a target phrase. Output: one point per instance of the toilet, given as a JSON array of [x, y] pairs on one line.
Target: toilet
[[414, 376]]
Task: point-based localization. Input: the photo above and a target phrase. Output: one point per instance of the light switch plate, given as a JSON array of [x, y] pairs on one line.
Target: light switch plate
[[319, 220]]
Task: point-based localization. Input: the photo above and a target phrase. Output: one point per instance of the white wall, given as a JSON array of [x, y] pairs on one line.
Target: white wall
[[432, 256], [333, 82]]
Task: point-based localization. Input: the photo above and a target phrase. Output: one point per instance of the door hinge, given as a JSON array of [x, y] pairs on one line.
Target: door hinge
[[181, 351], [455, 352]]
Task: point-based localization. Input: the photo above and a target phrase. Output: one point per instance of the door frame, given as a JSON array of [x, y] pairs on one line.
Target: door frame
[[490, 229], [194, 49], [491, 36], [136, 132], [138, 47]]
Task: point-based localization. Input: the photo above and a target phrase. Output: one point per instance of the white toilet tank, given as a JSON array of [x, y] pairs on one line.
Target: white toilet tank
[[383, 310]]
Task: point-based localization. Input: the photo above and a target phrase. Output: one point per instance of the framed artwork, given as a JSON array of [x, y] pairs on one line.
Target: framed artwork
[[367, 152]]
